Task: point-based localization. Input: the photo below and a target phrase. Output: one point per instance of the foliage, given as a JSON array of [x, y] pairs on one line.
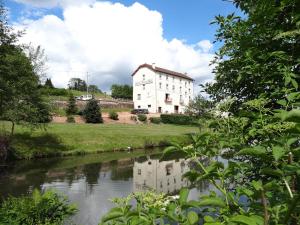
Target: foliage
[[179, 119], [92, 113], [20, 98], [40, 208], [257, 79], [199, 107], [260, 53], [71, 107], [38, 60], [94, 89], [121, 91], [70, 119], [155, 120], [54, 91], [142, 117], [77, 84], [113, 115], [48, 83]]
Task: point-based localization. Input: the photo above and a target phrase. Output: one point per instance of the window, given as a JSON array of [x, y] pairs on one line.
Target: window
[[180, 89], [159, 85], [180, 80], [160, 76], [173, 88], [185, 84], [185, 93], [139, 171], [167, 86], [139, 106], [149, 106], [173, 79], [189, 90], [167, 77], [139, 97], [143, 76], [144, 86]]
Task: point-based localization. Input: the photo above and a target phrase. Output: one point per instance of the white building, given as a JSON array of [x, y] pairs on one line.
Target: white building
[[161, 176], [160, 90]]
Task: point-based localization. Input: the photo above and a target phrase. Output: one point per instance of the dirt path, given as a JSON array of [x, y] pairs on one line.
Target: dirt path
[[124, 118]]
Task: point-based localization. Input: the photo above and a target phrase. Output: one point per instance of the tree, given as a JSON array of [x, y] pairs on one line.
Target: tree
[[199, 107], [71, 108], [48, 83], [92, 113], [121, 91], [77, 84], [94, 89], [260, 53], [20, 98], [38, 60]]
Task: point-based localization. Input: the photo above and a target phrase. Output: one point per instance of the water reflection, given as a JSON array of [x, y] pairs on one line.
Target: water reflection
[[161, 176], [91, 182]]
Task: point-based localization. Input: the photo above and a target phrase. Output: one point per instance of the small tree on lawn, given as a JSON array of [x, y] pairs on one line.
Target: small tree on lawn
[[71, 108], [92, 113]]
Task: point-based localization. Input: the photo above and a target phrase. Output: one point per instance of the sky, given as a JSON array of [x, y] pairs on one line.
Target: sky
[[110, 39]]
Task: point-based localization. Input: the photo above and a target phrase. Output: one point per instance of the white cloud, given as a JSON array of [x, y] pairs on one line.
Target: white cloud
[[110, 41], [55, 3]]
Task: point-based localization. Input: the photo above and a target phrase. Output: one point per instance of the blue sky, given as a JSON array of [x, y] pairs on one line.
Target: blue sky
[[188, 21], [109, 39]]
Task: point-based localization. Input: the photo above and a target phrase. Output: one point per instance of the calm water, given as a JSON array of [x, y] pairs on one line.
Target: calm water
[[91, 181]]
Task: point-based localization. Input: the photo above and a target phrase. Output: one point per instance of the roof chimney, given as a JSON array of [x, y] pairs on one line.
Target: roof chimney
[[153, 66]]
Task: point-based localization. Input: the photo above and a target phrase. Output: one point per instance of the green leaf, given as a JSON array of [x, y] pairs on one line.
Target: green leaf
[[212, 201], [248, 220], [282, 102], [192, 217], [257, 151], [292, 116], [278, 152], [208, 219], [183, 195], [272, 172], [257, 185], [294, 83]]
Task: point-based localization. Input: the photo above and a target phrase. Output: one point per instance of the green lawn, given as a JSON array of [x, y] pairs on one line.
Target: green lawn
[[68, 139]]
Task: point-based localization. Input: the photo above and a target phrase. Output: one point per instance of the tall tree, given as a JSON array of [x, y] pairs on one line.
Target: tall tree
[[121, 91], [48, 83], [92, 113], [71, 108], [77, 84], [20, 99], [260, 53]]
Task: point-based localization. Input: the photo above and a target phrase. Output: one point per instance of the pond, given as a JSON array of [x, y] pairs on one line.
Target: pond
[[91, 181]]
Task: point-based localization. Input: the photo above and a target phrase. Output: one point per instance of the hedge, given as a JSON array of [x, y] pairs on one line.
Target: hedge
[[155, 120], [180, 119]]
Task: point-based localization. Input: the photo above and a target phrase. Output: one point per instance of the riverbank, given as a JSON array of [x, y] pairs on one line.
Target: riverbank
[[77, 139]]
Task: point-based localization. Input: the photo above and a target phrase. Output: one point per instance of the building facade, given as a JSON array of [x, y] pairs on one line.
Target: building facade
[[160, 90]]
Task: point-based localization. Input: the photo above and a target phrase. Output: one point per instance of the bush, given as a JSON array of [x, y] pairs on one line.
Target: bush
[[134, 118], [70, 119], [142, 117], [48, 208], [155, 120], [113, 115], [177, 119], [92, 113], [71, 108]]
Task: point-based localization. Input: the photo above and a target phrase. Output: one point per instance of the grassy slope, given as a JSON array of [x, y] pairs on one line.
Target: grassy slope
[[79, 93], [65, 139]]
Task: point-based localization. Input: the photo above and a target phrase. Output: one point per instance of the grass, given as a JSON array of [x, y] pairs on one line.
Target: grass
[[72, 139], [77, 93], [116, 109]]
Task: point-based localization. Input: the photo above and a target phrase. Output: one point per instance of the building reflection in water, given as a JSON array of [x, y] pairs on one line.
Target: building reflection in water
[[161, 176]]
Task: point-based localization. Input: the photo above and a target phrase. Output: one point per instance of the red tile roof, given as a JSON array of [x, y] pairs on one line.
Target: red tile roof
[[162, 70]]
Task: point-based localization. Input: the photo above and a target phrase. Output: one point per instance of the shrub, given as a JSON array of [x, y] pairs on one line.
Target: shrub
[[71, 108], [155, 120], [134, 118], [47, 208], [113, 115], [70, 119], [92, 113], [142, 117], [180, 119]]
